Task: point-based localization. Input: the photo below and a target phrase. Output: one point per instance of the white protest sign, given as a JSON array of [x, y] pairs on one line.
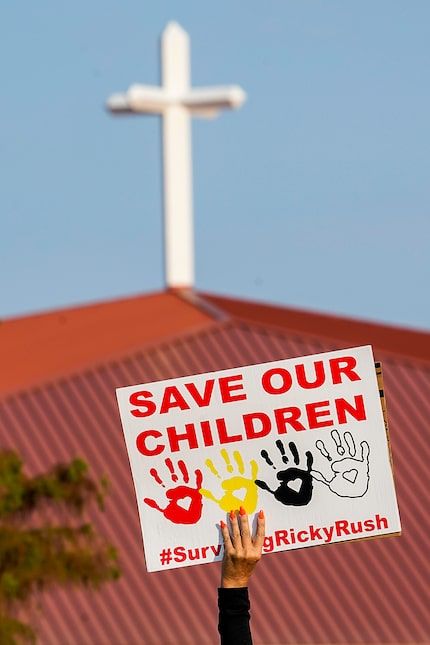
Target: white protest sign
[[304, 439]]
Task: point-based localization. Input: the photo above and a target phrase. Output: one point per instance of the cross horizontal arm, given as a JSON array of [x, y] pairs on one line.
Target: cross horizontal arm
[[229, 96], [150, 99]]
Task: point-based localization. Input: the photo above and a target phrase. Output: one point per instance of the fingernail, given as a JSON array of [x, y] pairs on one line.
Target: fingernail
[[232, 515], [261, 515], [222, 524], [242, 511]]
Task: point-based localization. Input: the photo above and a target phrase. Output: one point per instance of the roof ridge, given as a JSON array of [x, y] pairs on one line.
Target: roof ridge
[[193, 298], [392, 339]]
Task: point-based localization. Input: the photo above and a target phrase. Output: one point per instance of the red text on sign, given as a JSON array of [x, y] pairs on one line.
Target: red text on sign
[[276, 380], [230, 389], [279, 380], [253, 425]]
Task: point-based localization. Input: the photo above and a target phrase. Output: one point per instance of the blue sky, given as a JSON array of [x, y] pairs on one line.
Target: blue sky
[[315, 194]]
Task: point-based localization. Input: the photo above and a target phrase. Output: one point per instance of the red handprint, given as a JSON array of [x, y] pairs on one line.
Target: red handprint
[[185, 502]]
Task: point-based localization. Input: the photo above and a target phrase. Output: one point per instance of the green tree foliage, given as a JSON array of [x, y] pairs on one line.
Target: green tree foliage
[[38, 551]]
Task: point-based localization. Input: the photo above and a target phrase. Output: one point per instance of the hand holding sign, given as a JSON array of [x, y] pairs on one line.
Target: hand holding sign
[[241, 550]]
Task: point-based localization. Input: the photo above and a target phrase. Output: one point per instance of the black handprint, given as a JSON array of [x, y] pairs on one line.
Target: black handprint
[[295, 488]]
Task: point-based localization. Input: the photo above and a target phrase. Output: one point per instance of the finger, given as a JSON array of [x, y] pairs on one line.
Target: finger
[[244, 528], [365, 450], [226, 537], [224, 531], [317, 475], [235, 531], [260, 532], [349, 439]]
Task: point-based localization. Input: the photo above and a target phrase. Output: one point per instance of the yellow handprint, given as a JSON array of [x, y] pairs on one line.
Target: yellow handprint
[[232, 485]]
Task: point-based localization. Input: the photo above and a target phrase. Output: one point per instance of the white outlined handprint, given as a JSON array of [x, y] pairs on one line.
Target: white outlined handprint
[[350, 475]]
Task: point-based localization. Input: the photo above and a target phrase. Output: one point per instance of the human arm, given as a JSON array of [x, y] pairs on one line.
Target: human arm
[[241, 554]]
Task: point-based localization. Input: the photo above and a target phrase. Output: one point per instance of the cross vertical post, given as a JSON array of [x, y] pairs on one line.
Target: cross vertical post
[[177, 160]]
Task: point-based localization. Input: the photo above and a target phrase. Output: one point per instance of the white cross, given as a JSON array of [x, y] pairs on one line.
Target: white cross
[[176, 102]]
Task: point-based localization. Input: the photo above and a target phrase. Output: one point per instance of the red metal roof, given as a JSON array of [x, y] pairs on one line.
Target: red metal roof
[[35, 347], [369, 592]]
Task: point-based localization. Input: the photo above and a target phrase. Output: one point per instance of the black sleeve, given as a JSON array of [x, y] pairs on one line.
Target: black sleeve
[[233, 623]]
